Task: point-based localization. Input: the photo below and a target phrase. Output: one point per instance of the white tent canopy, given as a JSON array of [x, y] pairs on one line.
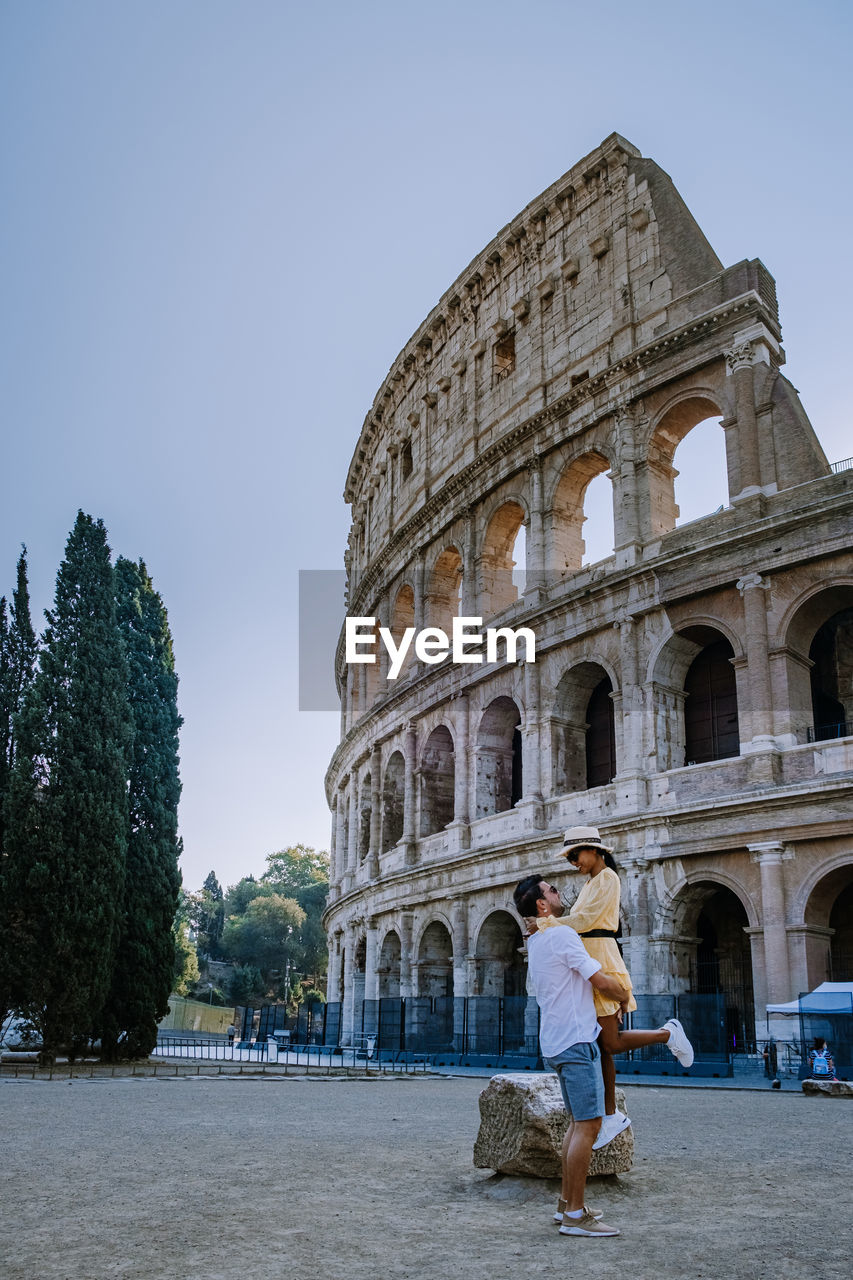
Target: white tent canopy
[[829, 997]]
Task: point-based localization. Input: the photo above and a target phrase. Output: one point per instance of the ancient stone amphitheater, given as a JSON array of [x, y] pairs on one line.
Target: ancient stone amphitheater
[[692, 692]]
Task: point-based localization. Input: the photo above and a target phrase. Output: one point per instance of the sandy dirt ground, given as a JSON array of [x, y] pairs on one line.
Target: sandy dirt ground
[[210, 1179]]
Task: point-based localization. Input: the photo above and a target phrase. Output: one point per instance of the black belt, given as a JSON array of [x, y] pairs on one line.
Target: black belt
[[598, 933]]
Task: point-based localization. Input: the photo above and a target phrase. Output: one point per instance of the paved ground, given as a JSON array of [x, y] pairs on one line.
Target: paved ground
[[203, 1179]]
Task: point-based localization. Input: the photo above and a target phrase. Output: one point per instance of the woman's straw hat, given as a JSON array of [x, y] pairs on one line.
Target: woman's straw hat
[[583, 838]]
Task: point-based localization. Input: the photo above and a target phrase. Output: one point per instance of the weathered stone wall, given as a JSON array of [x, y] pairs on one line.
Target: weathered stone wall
[[589, 338]]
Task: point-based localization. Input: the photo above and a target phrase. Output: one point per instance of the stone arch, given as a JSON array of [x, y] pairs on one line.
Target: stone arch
[[499, 766], [437, 778], [817, 650], [444, 589], [393, 796], [500, 968], [497, 588], [578, 745], [565, 550], [828, 921], [709, 949], [695, 663], [435, 960], [388, 967], [676, 420]]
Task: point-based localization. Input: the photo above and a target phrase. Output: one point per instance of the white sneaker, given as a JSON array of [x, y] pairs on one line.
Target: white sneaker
[[610, 1127], [678, 1044]]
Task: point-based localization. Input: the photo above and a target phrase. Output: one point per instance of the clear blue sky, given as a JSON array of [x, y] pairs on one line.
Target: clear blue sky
[[222, 221]]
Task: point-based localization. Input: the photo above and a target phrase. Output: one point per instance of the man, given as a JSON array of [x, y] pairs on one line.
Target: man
[[562, 975]]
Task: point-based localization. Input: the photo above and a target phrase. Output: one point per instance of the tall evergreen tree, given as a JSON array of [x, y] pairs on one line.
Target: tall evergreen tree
[[18, 649], [145, 958], [67, 810]]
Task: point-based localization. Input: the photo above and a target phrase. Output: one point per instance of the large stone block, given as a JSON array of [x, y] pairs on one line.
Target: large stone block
[[522, 1126], [829, 1088]]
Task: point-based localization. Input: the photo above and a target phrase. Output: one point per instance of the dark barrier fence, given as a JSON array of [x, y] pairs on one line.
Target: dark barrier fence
[[490, 1029]]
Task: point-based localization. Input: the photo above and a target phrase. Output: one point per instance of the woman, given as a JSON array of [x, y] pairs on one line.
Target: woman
[[595, 917]]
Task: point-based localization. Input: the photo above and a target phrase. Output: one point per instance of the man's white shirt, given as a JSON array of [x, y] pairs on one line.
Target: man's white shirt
[[559, 967]]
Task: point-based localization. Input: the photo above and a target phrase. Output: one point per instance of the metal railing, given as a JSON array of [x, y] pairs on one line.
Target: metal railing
[[845, 465]]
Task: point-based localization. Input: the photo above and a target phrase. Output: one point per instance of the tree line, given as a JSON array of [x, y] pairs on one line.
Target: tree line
[[268, 930], [89, 790]]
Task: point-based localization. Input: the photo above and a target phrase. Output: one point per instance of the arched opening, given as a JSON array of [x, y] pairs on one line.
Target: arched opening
[[710, 712], [580, 497], [712, 956], [365, 809], [498, 559], [831, 653], [437, 781], [701, 476], [499, 768], [388, 970], [819, 704], [598, 527], [829, 928], [500, 967], [393, 793], [841, 943], [675, 425], [402, 617], [435, 961], [444, 594], [583, 741]]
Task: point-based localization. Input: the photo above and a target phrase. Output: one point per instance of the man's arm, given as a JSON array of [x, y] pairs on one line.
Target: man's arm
[[609, 986]]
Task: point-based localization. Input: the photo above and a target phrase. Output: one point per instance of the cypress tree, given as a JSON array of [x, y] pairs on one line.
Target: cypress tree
[[18, 649], [66, 816], [144, 965]]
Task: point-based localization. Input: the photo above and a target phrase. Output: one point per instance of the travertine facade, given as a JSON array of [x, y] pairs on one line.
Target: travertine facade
[[691, 694]]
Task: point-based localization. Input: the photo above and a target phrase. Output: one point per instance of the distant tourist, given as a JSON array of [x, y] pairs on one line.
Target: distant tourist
[[821, 1061], [232, 1031]]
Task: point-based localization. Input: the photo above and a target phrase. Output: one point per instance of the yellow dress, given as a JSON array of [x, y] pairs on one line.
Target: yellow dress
[[597, 907]]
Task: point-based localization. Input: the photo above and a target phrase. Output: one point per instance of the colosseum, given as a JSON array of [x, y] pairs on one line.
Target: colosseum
[[691, 693]]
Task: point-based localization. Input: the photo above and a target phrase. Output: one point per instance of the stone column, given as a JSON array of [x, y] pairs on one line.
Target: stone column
[[333, 852], [770, 857], [469, 569], [752, 587], [371, 976], [375, 812], [739, 363], [627, 539], [536, 577], [333, 969], [410, 758], [348, 1010], [352, 829], [341, 839], [362, 690], [459, 920], [531, 748], [462, 773], [406, 921], [419, 587], [631, 764]]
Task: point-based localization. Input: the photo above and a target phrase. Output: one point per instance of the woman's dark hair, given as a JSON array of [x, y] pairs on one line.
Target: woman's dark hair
[[819, 1042], [526, 894], [609, 860]]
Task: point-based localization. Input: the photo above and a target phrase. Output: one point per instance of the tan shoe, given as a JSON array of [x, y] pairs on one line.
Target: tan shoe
[[561, 1209], [586, 1225]]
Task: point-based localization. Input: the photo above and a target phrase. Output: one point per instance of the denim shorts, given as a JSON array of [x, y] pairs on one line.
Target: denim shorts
[[578, 1069]]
